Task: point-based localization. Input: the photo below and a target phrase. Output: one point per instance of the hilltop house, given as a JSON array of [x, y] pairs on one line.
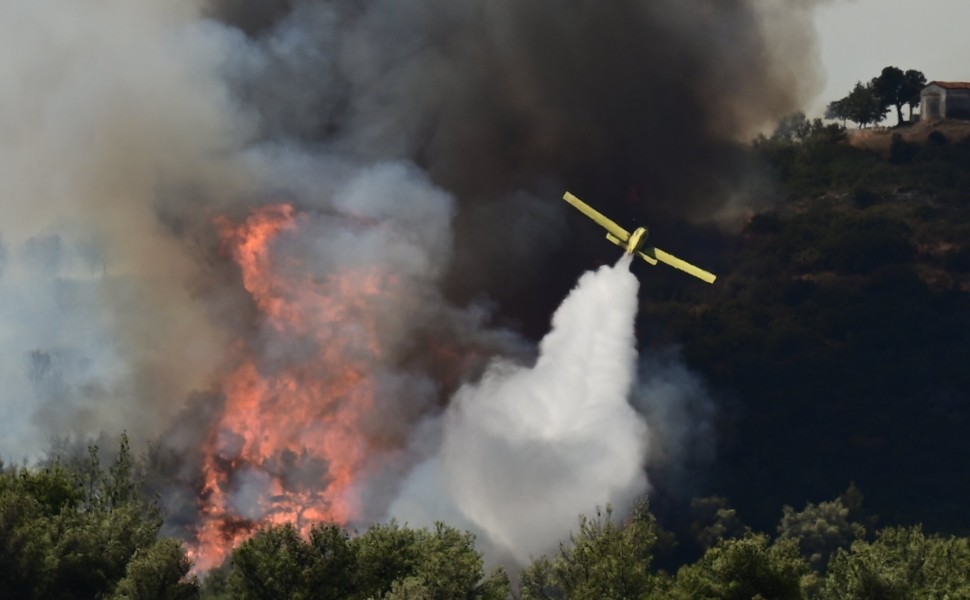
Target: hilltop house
[[945, 100]]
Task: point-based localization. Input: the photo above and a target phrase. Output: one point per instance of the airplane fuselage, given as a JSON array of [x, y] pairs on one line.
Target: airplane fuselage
[[632, 243], [637, 239]]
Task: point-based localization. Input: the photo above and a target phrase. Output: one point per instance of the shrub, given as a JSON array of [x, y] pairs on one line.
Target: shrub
[[900, 151], [936, 138]]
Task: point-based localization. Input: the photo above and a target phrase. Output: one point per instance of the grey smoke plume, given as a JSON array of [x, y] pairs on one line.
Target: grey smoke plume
[[681, 414], [639, 99], [99, 106], [527, 449], [430, 138], [490, 96]]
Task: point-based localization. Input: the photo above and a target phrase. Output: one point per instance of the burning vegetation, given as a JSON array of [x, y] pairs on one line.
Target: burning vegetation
[[390, 233], [284, 426]]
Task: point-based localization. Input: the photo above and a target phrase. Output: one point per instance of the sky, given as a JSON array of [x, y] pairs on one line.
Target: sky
[[857, 38]]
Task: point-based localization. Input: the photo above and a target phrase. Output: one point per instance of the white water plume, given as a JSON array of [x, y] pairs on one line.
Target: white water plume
[[527, 449]]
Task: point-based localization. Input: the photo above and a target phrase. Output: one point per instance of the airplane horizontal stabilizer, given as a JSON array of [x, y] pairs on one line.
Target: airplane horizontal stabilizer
[[646, 257]]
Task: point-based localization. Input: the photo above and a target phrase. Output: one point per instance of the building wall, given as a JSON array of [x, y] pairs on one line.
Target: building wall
[[958, 104], [937, 102], [931, 105]]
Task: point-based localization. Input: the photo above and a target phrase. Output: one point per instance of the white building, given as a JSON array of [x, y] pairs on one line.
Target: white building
[[945, 100]]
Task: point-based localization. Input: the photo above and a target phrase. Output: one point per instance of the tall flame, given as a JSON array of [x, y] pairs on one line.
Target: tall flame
[[288, 445]]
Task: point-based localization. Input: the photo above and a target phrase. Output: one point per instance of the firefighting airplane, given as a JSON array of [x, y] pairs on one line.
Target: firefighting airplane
[[635, 243]]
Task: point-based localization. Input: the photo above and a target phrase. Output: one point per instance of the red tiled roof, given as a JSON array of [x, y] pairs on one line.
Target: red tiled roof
[[952, 85]]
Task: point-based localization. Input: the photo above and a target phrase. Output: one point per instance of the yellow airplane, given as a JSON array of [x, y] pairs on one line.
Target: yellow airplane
[[635, 243]]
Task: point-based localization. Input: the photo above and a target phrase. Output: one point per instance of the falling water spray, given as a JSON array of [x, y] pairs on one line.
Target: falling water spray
[[528, 448]]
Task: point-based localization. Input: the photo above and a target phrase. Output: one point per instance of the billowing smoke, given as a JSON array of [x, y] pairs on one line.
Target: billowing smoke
[[527, 449], [630, 99], [490, 95], [217, 215], [100, 105]]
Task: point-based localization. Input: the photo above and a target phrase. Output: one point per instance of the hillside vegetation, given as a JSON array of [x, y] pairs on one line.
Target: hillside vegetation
[[841, 329], [79, 530], [837, 341]]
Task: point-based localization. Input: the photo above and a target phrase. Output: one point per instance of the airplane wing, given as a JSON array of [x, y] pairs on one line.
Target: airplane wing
[[619, 236], [652, 255], [615, 230]]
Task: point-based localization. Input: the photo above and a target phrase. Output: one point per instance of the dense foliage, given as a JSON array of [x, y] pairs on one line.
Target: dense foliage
[[85, 532], [868, 103], [839, 329]]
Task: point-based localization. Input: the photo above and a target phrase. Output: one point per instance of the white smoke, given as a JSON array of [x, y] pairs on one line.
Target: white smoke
[[59, 352], [527, 449], [101, 105]]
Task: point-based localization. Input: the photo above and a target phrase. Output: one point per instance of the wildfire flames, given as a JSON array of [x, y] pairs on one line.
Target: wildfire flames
[[288, 445]]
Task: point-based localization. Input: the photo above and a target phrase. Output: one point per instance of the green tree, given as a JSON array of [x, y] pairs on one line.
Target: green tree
[[838, 109], [159, 572], [715, 521], [603, 560], [87, 553], [443, 560], [819, 530], [28, 500], [119, 483], [901, 563], [864, 106], [215, 584], [335, 562], [410, 588], [385, 553], [914, 83], [278, 562], [70, 535], [452, 568], [742, 569], [891, 90], [271, 565], [386, 561]]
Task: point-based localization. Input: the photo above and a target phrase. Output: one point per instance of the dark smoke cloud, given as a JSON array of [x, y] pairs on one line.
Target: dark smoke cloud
[[493, 96], [450, 128], [636, 105]]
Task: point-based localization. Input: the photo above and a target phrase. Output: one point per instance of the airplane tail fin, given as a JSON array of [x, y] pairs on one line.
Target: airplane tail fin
[[615, 240]]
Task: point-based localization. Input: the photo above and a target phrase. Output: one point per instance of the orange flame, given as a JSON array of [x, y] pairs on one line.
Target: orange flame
[[288, 445]]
